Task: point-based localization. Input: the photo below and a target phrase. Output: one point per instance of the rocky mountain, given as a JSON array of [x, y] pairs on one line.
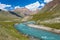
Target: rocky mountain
[[25, 11], [51, 6], [18, 13]]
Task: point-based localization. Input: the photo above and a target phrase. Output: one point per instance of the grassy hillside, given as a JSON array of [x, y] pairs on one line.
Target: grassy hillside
[[8, 32], [50, 12], [6, 16]]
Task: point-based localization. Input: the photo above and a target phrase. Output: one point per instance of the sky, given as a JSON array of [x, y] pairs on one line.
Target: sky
[[29, 4]]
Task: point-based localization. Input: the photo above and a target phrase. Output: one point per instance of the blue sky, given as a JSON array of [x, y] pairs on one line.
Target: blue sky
[[19, 2], [11, 4]]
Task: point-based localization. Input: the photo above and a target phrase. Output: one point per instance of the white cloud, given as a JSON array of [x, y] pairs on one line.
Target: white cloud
[[33, 6], [47, 1], [42, 4], [3, 6], [18, 7], [8, 5]]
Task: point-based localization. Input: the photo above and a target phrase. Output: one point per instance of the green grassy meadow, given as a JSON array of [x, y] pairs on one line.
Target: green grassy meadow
[[8, 32]]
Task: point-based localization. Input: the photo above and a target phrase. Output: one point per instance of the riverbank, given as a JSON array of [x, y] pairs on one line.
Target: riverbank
[[45, 28]]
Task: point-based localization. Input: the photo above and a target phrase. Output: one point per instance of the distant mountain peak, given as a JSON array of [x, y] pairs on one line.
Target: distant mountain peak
[[25, 11]]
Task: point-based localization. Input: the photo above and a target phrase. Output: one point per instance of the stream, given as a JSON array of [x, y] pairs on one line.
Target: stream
[[38, 33]]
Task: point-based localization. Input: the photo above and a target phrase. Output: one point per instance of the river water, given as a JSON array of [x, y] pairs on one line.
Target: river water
[[38, 33]]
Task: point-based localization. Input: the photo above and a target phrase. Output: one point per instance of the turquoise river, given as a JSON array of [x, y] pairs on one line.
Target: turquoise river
[[38, 33]]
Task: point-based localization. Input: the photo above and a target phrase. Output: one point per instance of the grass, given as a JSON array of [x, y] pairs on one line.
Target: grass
[[8, 32], [48, 15], [44, 16], [53, 25]]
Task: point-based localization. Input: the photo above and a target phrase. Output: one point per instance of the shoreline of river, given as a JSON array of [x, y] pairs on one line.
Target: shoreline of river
[[44, 28]]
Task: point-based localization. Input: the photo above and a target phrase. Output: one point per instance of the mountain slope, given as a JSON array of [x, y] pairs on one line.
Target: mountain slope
[[7, 21], [24, 11], [51, 5], [8, 32], [8, 15], [49, 15], [48, 12]]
